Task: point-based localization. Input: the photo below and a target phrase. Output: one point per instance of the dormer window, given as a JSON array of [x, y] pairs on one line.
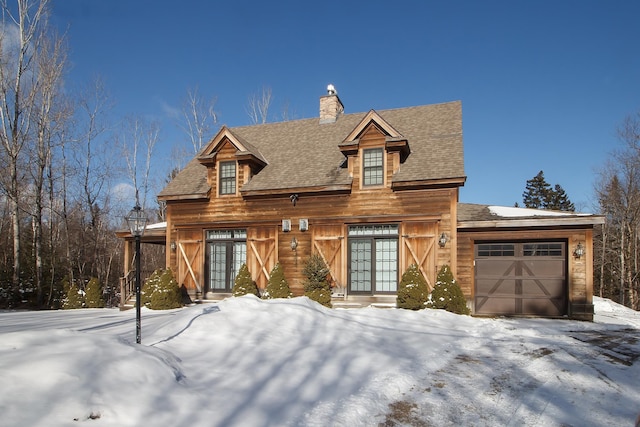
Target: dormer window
[[372, 167], [227, 180]]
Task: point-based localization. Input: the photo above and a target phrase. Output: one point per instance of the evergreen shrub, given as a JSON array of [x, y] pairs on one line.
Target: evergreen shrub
[[93, 297], [74, 298], [316, 285], [413, 292], [277, 286], [244, 284], [447, 294], [149, 286], [161, 291]]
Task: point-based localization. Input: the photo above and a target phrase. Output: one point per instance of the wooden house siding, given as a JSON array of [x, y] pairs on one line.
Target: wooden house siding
[[188, 259], [421, 214], [329, 241], [262, 252]]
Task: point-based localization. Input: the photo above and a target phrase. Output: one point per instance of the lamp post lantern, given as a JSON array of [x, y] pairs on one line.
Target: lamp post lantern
[[137, 222]]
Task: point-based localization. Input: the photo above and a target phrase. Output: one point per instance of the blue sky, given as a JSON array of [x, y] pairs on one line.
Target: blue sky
[[543, 84]]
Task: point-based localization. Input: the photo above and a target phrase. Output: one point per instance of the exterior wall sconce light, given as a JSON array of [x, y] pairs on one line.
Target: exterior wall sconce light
[[294, 199], [578, 252], [303, 224], [442, 240], [294, 244], [173, 246]]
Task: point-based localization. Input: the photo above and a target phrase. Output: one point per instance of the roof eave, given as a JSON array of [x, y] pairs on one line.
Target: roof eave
[[429, 183], [178, 197], [316, 190], [251, 159], [534, 222]]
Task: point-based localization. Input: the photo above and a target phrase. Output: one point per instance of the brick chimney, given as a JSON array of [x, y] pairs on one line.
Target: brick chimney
[[330, 106]]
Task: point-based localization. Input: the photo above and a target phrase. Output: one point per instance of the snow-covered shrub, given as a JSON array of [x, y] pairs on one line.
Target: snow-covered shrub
[[244, 284], [74, 299], [149, 287], [447, 294], [161, 291], [277, 286], [316, 285], [93, 297], [413, 291]]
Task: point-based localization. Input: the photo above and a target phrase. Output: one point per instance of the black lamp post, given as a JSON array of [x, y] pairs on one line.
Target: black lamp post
[[137, 222]]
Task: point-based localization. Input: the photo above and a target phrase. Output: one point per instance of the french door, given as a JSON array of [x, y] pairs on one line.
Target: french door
[[373, 259], [226, 252]]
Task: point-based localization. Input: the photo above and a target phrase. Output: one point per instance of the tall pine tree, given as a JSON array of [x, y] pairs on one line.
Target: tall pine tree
[[559, 201], [539, 194], [536, 192]]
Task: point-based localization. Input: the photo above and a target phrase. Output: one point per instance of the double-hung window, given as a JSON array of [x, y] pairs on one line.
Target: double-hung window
[[373, 259], [227, 180], [372, 166], [226, 252]]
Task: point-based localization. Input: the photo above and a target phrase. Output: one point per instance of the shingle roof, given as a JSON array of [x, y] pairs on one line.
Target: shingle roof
[[305, 153]]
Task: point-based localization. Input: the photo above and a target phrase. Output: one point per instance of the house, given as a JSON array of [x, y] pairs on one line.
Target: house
[[372, 193]]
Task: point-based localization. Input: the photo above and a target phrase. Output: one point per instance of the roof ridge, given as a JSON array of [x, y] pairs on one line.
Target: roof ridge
[[253, 126]]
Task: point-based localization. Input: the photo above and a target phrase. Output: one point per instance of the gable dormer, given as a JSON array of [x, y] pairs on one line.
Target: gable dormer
[[230, 162], [374, 150]]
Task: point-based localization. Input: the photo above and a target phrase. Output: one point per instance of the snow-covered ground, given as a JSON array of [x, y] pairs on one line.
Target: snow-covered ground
[[247, 362]]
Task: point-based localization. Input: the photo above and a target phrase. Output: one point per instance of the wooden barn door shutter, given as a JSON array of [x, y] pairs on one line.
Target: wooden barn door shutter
[[262, 253], [190, 260], [329, 243], [419, 247]]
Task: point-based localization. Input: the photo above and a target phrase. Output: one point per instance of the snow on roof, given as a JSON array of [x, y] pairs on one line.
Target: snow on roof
[[511, 212], [157, 226]]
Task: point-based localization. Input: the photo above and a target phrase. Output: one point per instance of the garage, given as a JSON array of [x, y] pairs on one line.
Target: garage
[[521, 278]]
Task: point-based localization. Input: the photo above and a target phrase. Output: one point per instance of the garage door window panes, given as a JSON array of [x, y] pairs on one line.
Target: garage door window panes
[[496, 249], [543, 249], [373, 252], [226, 252]]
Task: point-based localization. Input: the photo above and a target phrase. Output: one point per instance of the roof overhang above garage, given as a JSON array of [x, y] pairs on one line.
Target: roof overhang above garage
[[472, 216]]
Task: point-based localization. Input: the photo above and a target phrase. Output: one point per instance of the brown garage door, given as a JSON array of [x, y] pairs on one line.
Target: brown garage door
[[521, 278]]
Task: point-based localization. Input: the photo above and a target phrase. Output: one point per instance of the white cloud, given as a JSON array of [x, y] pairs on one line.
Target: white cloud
[[123, 194], [169, 110]]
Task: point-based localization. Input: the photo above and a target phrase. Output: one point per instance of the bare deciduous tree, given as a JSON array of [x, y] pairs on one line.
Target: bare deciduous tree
[[93, 172], [258, 106], [618, 192], [51, 118], [20, 38], [138, 139], [200, 118]]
